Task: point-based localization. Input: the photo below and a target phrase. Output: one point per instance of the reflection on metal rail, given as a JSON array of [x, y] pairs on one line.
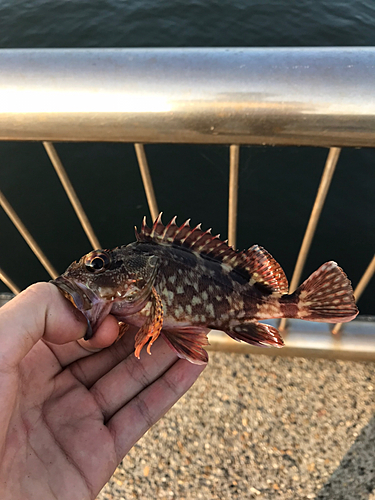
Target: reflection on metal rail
[[238, 96], [291, 96]]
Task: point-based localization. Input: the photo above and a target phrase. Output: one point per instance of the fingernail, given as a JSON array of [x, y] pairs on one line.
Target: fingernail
[[88, 348]]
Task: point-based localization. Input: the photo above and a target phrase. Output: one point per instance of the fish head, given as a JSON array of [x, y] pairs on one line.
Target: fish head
[[115, 281]]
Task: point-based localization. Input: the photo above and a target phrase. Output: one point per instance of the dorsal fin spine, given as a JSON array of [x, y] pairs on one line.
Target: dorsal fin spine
[[184, 226], [171, 223], [200, 236], [156, 224]]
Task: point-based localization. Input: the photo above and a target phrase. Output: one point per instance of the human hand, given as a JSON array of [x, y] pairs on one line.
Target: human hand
[[67, 415]]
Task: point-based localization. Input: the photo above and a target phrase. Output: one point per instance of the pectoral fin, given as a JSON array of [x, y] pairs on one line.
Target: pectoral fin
[[123, 328], [151, 328], [188, 343], [255, 333]]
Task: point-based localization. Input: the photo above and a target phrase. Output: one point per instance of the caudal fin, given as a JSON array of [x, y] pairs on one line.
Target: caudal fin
[[327, 296]]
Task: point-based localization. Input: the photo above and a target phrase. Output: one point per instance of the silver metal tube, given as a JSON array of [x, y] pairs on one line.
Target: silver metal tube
[[234, 160], [9, 283], [290, 96], [72, 195], [27, 236], [311, 340], [360, 288], [147, 181], [321, 195]]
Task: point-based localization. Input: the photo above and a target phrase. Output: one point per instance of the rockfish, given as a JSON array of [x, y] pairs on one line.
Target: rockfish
[[181, 282]]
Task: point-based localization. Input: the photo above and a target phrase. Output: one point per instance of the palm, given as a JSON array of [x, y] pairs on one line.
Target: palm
[[60, 424], [75, 416]]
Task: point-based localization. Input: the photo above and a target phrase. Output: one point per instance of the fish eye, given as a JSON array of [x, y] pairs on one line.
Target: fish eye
[[97, 261]]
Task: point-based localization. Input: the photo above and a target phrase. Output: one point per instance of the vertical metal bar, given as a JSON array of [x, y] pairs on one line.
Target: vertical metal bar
[[321, 195], [9, 283], [27, 236], [147, 181], [234, 159], [359, 289], [72, 195]]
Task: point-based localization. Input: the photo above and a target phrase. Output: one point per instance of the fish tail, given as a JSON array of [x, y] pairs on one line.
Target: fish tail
[[326, 296]]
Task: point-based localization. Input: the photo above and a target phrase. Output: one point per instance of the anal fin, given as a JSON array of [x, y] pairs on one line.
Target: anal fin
[[188, 343], [258, 334], [150, 330]]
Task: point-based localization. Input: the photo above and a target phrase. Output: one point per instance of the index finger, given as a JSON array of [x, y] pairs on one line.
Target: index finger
[[39, 311]]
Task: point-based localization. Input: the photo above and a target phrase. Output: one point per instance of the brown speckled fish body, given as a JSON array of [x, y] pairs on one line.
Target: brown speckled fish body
[[201, 291], [182, 282]]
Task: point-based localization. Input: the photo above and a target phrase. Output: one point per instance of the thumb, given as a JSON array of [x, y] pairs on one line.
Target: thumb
[[39, 311]]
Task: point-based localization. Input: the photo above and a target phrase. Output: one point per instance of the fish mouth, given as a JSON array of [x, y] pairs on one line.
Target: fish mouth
[[81, 297]]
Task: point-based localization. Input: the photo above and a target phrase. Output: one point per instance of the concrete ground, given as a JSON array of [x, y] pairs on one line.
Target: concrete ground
[[256, 427]]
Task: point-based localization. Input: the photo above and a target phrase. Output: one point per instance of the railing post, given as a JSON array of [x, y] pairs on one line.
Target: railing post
[[72, 195], [147, 181], [234, 159], [321, 195], [27, 236], [9, 283], [359, 289]]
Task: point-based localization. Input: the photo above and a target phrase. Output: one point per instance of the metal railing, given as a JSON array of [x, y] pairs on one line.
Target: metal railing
[[320, 97]]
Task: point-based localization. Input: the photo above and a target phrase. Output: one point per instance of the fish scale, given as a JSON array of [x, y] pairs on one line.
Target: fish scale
[[181, 281], [207, 298]]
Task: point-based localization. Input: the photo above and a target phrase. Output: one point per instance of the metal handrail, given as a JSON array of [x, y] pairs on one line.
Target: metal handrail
[[234, 160], [9, 283], [360, 288], [146, 178], [320, 97], [290, 96]]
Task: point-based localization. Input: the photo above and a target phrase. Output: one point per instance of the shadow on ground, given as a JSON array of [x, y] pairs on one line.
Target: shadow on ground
[[355, 476]]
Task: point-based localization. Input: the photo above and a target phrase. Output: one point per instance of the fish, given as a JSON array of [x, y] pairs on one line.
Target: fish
[[181, 281]]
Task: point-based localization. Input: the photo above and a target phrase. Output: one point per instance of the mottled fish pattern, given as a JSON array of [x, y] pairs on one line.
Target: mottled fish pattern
[[182, 281]]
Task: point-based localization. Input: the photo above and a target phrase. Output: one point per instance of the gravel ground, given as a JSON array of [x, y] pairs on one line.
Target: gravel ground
[[263, 428]]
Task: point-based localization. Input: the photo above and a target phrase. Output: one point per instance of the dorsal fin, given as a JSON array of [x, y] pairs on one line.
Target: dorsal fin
[[255, 264], [265, 270]]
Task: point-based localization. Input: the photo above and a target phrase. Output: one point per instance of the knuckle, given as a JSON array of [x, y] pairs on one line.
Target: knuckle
[[42, 290], [101, 401], [144, 411]]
